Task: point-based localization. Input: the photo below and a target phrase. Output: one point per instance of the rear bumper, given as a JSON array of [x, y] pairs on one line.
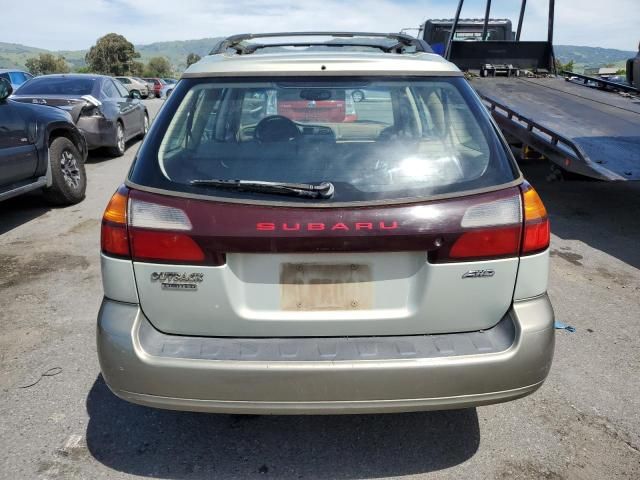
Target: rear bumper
[[98, 132], [325, 376]]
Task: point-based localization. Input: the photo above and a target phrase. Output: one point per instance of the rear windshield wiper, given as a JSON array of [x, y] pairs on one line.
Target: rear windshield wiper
[[323, 190]]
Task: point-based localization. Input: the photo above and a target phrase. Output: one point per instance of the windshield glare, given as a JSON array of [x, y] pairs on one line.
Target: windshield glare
[[373, 138]]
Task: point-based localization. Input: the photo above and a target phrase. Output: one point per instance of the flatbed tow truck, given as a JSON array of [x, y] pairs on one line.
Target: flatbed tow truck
[[588, 131]]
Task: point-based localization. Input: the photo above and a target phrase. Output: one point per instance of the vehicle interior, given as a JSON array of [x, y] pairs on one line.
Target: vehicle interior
[[403, 136]]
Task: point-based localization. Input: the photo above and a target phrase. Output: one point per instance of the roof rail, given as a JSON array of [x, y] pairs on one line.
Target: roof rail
[[239, 44]]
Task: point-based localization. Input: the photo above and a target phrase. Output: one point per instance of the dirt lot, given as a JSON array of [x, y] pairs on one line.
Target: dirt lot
[[583, 423]]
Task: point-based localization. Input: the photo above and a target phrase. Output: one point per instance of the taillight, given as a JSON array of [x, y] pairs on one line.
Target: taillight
[[350, 114], [536, 236], [151, 245], [491, 230], [92, 107], [493, 242], [91, 111], [144, 231], [161, 233], [272, 103], [114, 239]]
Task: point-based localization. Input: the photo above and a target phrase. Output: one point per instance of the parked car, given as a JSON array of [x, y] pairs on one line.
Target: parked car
[[158, 86], [105, 112], [258, 263], [15, 77], [40, 148], [170, 85], [134, 86], [333, 106], [149, 84]]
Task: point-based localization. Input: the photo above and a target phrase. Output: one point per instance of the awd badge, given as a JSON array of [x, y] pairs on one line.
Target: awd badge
[[479, 274]]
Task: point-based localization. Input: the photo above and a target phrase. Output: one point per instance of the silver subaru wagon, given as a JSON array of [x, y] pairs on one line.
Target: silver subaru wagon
[[312, 228]]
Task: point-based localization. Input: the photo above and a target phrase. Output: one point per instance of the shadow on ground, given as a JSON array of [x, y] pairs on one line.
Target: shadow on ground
[[100, 155], [21, 209], [603, 215], [149, 442]]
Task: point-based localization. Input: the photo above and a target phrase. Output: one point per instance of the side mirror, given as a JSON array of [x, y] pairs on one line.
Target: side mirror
[[5, 89], [134, 94]]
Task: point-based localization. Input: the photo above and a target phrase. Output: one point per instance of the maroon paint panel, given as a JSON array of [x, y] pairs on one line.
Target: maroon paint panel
[[221, 228]]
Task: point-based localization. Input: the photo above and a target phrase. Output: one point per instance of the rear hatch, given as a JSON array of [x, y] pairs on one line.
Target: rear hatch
[[414, 228], [72, 104], [73, 93]]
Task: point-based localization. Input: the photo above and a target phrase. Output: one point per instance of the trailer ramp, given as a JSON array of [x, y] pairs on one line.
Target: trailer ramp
[[583, 130]]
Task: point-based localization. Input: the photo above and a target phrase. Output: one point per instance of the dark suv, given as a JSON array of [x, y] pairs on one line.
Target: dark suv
[[40, 148], [296, 263]]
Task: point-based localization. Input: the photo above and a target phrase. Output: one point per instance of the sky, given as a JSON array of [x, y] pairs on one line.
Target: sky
[[76, 24]]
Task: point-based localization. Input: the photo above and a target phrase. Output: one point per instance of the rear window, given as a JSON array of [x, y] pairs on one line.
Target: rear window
[[57, 86], [372, 138]]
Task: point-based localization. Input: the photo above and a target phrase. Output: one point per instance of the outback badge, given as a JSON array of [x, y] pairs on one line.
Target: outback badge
[[479, 274], [177, 281]]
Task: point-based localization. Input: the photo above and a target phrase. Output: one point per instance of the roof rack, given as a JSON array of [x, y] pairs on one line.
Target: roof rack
[[238, 43]]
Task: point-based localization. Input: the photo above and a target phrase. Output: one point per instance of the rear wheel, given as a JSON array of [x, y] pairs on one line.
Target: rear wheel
[[69, 179], [145, 125], [119, 148]]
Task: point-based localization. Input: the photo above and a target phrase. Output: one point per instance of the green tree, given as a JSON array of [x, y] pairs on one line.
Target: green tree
[[567, 67], [112, 54], [621, 71], [137, 68], [193, 58], [45, 63], [158, 67]]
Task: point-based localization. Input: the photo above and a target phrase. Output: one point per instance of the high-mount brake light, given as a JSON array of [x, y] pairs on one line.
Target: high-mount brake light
[[536, 236], [114, 238]]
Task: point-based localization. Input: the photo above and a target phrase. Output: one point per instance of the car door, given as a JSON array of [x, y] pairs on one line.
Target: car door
[[130, 109], [18, 154]]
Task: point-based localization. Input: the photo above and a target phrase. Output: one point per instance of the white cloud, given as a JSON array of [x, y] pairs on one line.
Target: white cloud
[[75, 24]]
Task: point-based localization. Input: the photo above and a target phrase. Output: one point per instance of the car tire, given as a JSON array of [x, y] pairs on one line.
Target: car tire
[[119, 148], [68, 175], [145, 126]]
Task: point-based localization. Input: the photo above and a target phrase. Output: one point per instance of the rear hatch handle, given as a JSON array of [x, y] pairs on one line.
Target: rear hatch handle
[[322, 190]]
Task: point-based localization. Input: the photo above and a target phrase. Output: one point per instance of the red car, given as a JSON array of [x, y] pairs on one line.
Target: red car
[[158, 84], [335, 106]]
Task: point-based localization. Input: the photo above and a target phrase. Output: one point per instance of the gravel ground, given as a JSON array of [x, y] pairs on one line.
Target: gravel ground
[[583, 423]]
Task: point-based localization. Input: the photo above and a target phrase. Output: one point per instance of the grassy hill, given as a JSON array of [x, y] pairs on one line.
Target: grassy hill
[[592, 56], [14, 55]]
